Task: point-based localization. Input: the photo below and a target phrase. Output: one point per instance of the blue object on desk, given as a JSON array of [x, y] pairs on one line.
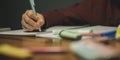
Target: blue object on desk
[[110, 34]]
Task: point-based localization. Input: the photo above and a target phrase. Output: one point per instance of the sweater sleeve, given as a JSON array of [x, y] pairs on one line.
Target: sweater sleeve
[[77, 14]]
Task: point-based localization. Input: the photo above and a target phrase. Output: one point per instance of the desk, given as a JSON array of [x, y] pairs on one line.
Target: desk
[[25, 41]]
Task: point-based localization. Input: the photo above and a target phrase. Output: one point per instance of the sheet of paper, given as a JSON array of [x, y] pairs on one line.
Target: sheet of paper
[[65, 27], [4, 29], [18, 32], [22, 32], [49, 34], [96, 28], [79, 30]]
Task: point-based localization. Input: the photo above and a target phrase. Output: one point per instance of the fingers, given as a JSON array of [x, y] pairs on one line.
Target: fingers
[[26, 26], [40, 21], [30, 21], [31, 15]]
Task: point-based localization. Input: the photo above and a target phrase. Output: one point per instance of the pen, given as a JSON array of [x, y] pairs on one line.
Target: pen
[[110, 34], [33, 8]]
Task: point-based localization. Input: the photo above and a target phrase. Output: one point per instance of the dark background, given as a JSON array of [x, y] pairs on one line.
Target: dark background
[[12, 10]]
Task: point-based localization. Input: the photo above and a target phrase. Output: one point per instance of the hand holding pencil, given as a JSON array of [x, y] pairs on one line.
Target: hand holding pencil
[[31, 20]]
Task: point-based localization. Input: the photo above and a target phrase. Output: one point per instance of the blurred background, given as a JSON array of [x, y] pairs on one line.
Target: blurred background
[[11, 10]]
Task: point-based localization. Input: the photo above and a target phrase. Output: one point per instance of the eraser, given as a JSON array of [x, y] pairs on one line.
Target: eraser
[[67, 34]]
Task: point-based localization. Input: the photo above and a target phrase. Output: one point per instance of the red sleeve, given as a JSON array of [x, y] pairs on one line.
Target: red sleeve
[[77, 14]]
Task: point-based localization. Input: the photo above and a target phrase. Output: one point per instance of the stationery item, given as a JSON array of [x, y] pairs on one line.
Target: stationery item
[[4, 29], [46, 49], [49, 34], [97, 30], [33, 8], [117, 36], [15, 52], [66, 27], [18, 33], [67, 34], [48, 31], [90, 34], [110, 34]]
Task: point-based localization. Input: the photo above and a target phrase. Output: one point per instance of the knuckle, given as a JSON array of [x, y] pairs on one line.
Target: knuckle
[[28, 12], [27, 20]]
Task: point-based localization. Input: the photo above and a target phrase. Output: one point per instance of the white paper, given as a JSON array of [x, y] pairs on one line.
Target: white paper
[[65, 27], [18, 32], [49, 34], [79, 30]]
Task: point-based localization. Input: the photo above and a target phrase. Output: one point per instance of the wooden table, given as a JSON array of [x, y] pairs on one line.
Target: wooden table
[[27, 41]]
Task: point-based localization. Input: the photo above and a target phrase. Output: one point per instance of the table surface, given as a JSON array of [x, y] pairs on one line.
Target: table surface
[[30, 41]]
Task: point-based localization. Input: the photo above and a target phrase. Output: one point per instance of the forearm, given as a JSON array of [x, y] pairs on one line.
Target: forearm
[[74, 15], [53, 18]]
